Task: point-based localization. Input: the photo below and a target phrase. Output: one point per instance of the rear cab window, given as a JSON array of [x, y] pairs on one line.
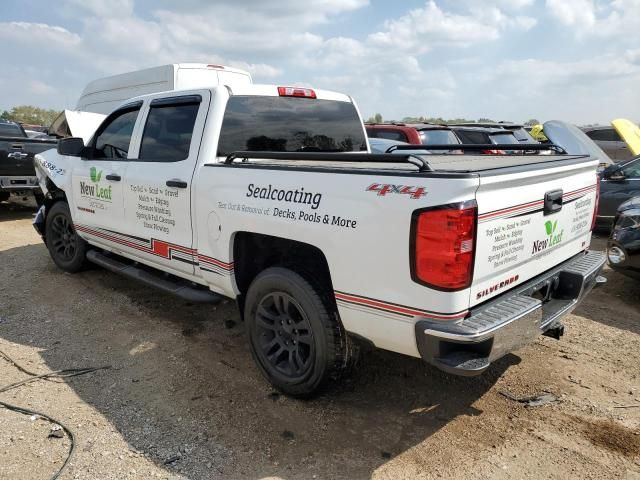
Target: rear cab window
[[289, 124], [395, 135], [473, 137], [438, 137], [504, 138]]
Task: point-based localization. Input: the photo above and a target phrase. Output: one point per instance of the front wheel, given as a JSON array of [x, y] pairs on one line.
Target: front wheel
[[296, 339], [67, 249]]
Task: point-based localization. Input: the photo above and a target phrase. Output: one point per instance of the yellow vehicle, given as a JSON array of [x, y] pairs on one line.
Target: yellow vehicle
[[630, 133]]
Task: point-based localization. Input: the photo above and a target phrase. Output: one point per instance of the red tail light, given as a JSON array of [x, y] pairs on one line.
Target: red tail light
[[443, 244], [296, 92], [595, 210], [494, 152]]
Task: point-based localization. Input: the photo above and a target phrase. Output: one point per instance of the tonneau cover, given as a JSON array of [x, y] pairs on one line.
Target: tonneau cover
[[438, 162]]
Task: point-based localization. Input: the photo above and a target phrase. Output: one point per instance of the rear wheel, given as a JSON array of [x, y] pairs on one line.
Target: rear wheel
[[296, 338], [66, 248]]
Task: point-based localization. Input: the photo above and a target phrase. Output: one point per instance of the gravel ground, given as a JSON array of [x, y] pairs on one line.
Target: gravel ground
[[182, 398]]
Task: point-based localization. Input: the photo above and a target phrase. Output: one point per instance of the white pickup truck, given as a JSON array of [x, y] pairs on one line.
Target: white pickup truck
[[268, 195]]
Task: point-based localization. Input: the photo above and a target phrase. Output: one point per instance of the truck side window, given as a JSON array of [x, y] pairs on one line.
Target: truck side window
[[167, 134], [114, 138]]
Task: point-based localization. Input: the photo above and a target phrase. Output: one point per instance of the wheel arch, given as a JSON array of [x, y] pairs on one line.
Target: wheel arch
[[254, 252]]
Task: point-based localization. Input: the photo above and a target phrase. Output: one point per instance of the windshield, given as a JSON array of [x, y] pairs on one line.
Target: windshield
[[289, 124]]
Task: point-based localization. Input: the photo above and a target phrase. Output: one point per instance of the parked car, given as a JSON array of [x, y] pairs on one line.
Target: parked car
[[618, 183], [413, 133], [17, 174], [623, 248], [630, 133], [487, 136], [381, 145], [608, 139], [268, 195], [519, 131]]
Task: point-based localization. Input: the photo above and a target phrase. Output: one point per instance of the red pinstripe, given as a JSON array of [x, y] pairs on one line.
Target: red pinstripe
[[398, 309]]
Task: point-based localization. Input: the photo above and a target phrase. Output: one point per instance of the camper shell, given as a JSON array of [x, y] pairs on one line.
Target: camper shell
[[105, 94]]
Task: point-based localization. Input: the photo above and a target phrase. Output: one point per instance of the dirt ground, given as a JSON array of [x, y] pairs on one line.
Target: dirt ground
[[183, 399]]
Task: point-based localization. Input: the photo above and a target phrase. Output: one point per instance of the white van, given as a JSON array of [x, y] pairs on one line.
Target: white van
[[105, 94]]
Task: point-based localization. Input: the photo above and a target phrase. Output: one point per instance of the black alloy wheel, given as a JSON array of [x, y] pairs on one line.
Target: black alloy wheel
[[63, 238], [295, 333], [67, 249], [284, 335]]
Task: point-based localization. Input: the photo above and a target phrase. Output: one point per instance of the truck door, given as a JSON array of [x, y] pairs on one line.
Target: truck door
[[98, 208], [158, 182]]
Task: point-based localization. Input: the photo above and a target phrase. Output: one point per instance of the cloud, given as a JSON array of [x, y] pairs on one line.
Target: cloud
[[103, 8], [596, 88], [39, 88], [423, 28], [573, 13], [34, 33], [610, 19], [260, 70]]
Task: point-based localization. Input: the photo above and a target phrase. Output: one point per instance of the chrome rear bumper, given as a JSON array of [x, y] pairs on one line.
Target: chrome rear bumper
[[511, 320]]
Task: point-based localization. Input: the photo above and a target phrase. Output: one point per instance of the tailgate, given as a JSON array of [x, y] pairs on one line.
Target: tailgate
[[16, 156], [530, 221]]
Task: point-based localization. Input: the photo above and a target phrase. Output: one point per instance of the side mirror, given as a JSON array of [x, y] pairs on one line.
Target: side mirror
[[617, 177], [71, 146]]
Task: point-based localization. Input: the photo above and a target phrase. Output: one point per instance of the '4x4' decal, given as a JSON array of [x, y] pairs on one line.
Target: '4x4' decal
[[384, 188]]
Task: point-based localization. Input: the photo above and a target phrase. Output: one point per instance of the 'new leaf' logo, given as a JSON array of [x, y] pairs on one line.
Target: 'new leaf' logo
[[95, 174], [550, 227]]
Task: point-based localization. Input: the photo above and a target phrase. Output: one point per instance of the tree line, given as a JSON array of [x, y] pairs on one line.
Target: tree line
[[377, 118], [30, 115]]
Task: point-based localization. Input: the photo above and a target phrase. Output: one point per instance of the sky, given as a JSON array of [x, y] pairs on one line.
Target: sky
[[575, 60]]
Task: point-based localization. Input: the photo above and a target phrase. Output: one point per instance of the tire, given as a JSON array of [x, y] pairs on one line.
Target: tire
[[4, 196], [296, 339], [67, 249]]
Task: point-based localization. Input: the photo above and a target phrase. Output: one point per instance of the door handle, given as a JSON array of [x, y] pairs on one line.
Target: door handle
[[17, 155], [113, 177], [177, 183]]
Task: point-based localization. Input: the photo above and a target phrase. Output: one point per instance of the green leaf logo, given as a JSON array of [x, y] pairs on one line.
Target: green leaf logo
[[550, 227], [95, 174]]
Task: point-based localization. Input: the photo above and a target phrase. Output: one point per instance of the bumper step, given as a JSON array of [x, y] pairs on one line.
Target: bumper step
[[468, 362], [167, 283]]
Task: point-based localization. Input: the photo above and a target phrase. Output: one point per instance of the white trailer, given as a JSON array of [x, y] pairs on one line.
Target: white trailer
[[105, 94]]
